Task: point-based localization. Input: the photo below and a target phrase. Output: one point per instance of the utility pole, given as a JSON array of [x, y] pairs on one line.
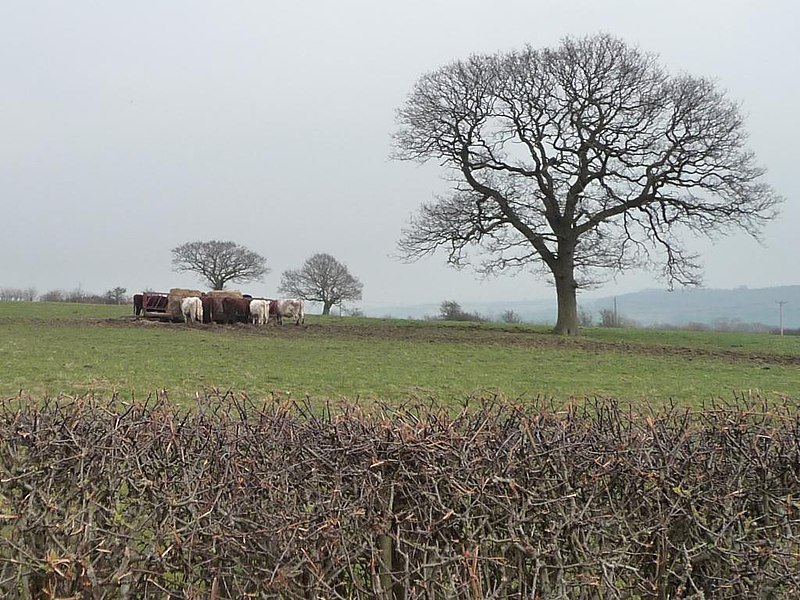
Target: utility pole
[[780, 305]]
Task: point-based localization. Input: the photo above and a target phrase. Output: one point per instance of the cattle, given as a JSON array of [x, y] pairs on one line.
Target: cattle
[[192, 310], [292, 308], [217, 310], [208, 308], [259, 311], [138, 304], [235, 310], [273, 311]]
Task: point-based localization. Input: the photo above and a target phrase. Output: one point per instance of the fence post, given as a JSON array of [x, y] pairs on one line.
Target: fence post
[[385, 551]]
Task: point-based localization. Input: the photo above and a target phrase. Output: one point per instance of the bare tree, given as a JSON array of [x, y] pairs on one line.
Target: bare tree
[[322, 279], [116, 296], [219, 263], [578, 162], [585, 318], [18, 294], [609, 318], [52, 296], [450, 310]]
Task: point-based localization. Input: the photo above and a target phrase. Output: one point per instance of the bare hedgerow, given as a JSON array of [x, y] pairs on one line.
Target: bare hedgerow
[[237, 498], [18, 294]]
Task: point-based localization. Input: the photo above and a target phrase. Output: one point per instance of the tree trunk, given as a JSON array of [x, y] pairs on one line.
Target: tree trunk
[[567, 323], [567, 294], [326, 308]]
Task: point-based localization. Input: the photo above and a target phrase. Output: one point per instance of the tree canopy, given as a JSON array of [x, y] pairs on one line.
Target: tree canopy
[[322, 279], [578, 162], [219, 263]]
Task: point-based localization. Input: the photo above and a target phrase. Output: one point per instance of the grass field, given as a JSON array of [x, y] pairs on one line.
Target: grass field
[[53, 348]]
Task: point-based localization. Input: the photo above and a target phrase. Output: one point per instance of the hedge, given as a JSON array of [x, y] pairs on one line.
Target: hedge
[[244, 499]]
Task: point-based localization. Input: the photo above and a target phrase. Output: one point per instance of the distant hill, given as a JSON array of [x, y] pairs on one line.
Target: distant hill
[[647, 307], [707, 306]]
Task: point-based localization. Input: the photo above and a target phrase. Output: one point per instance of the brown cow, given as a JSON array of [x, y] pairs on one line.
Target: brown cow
[[273, 311], [217, 311], [236, 310], [138, 304], [208, 308]]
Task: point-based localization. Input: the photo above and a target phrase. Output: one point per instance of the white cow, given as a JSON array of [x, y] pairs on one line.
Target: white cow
[[259, 311], [192, 309], [292, 308]]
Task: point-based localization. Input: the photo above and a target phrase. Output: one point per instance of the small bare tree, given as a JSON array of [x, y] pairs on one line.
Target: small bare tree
[[510, 316], [609, 318], [578, 162], [52, 296], [116, 296], [219, 263], [322, 279], [450, 310], [585, 318]]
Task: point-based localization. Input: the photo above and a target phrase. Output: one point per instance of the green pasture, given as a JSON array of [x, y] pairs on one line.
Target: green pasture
[[54, 348]]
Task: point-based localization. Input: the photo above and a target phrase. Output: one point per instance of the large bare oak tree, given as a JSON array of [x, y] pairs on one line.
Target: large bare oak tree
[[219, 263], [323, 279], [578, 162]]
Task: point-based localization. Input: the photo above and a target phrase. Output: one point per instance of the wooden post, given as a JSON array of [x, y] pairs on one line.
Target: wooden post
[[386, 551]]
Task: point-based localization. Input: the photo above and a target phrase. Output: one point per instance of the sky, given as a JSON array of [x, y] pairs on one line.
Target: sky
[[129, 128]]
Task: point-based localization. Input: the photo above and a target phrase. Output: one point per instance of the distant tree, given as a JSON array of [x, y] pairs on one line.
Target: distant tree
[[219, 263], [609, 318], [509, 316], [81, 296], [52, 296], [585, 318], [578, 162], [18, 294], [77, 295], [449, 310], [321, 279], [116, 296]]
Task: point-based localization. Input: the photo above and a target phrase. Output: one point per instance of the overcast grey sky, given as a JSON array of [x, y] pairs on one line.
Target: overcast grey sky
[[129, 128]]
